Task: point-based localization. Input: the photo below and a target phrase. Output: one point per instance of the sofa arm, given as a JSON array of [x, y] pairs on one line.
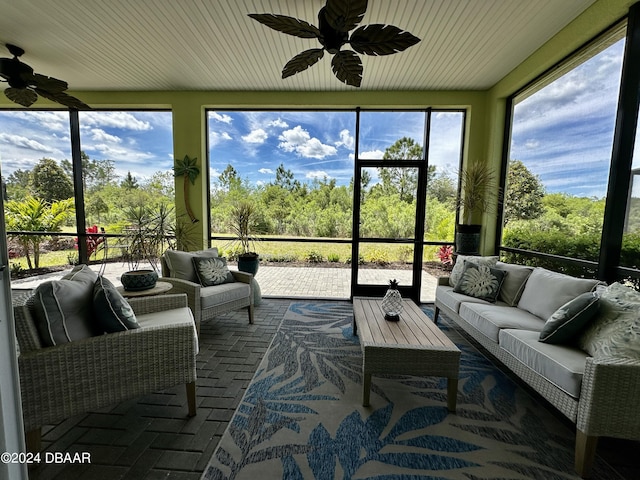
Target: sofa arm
[[152, 304], [243, 277], [62, 381], [608, 403], [192, 290]]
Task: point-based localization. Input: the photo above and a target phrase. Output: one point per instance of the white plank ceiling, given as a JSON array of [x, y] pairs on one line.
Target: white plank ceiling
[[214, 45]]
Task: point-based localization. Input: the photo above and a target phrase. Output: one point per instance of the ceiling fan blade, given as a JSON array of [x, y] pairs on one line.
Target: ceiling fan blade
[[344, 15], [63, 99], [347, 67], [21, 96], [380, 39], [302, 61], [288, 25], [47, 83]]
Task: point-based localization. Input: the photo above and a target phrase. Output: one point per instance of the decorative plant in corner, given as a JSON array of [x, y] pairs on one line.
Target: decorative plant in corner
[[188, 169], [479, 192], [243, 223]]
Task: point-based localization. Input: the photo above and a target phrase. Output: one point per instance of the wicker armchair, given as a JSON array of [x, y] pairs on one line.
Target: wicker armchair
[[69, 379], [209, 302]]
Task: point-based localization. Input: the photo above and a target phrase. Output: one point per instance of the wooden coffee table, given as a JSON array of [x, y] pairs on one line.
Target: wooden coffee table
[[412, 346]]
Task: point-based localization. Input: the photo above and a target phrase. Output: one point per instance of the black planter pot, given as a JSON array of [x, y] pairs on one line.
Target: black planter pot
[[137, 280], [249, 264], [468, 239]]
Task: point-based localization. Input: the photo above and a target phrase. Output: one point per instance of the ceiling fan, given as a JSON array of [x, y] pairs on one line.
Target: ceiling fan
[[335, 20], [25, 85]]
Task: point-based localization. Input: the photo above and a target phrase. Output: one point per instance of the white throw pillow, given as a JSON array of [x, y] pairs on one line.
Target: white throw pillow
[[546, 291]]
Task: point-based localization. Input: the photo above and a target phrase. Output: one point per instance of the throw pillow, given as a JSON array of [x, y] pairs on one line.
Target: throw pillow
[[111, 310], [181, 265], [81, 273], [514, 283], [570, 319], [546, 291], [458, 267], [480, 281], [62, 310], [212, 271], [615, 332]]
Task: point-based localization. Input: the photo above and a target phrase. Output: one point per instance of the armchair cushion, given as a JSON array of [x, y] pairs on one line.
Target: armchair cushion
[[112, 312], [180, 263], [225, 293], [63, 308], [212, 271]]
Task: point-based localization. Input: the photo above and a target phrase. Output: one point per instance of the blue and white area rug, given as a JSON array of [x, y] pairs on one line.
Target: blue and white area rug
[[302, 416]]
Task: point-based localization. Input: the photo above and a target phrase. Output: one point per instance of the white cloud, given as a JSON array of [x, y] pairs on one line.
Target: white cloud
[[372, 154], [320, 174], [346, 139], [298, 140], [100, 135], [278, 123], [51, 121], [215, 138], [224, 118], [122, 154], [122, 120], [260, 183], [23, 142], [266, 171], [256, 136]]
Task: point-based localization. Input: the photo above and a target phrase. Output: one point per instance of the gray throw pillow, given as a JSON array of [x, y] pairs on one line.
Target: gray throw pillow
[[546, 291], [181, 265], [112, 312], [570, 319], [480, 281], [458, 267], [212, 271], [62, 309], [514, 283]]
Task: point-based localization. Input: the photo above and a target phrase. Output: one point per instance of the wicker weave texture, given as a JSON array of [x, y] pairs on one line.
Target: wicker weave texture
[[65, 380]]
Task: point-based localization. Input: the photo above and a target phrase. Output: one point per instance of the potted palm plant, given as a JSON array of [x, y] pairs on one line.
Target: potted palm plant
[[479, 191], [243, 222]]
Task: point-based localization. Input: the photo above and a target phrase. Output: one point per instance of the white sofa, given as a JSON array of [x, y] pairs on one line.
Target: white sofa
[[599, 393]]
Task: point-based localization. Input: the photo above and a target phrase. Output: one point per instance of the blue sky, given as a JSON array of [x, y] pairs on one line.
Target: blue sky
[[563, 134]]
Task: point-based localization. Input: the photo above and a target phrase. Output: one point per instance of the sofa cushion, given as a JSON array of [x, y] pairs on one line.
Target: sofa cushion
[[458, 267], [175, 316], [225, 293], [62, 309], [514, 282], [480, 281], [452, 300], [561, 365], [181, 265], [546, 291], [615, 331], [490, 318], [569, 320], [212, 271], [111, 311]]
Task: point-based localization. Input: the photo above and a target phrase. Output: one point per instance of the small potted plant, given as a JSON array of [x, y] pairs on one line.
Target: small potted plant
[[479, 190], [243, 223]]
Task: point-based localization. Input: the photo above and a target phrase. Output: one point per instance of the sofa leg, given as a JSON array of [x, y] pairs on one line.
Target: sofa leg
[[585, 453], [436, 312], [250, 309], [191, 398], [33, 439]]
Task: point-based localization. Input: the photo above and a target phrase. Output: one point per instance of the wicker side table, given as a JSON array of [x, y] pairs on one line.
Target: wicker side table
[[412, 346]]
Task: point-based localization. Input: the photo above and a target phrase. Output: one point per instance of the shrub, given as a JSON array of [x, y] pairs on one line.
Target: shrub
[[405, 254], [333, 257], [314, 257], [378, 256]]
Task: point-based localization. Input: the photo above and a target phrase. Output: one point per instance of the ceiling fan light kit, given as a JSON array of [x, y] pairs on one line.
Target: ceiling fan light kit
[[335, 20], [25, 86]]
